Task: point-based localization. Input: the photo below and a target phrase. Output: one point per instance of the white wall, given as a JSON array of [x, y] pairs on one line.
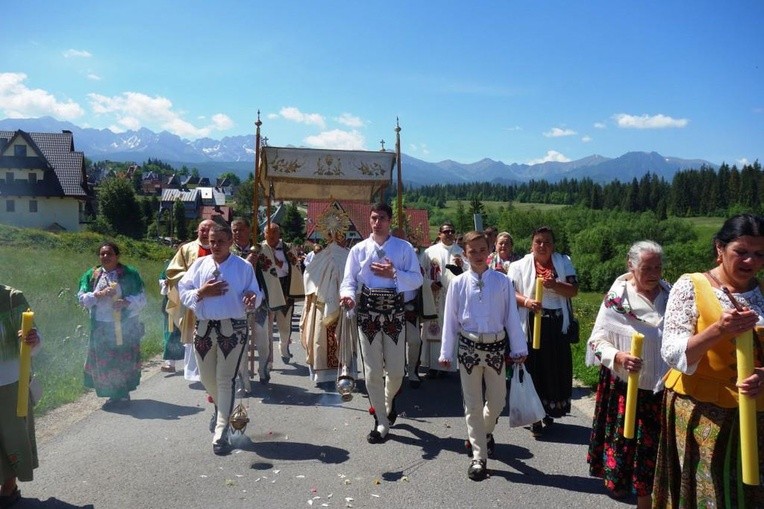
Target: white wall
[[64, 211]]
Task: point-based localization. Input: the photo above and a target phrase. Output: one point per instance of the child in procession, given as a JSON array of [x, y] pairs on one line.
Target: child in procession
[[481, 316]]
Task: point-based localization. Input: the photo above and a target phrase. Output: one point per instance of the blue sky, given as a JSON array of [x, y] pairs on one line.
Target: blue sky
[[514, 81]]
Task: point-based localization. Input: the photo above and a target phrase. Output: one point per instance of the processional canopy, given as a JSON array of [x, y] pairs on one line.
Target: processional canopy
[[305, 174]]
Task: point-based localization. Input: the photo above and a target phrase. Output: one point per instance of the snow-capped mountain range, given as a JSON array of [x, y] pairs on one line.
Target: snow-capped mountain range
[[236, 153]]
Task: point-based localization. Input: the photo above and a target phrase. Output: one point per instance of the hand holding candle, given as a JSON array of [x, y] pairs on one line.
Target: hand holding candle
[[25, 364], [537, 319], [747, 410], [117, 315], [632, 388]]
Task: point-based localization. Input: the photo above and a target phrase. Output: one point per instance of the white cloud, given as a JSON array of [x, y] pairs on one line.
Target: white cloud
[[350, 120], [94, 77], [337, 139], [76, 53], [419, 149], [19, 101], [557, 132], [658, 121], [295, 115], [586, 138], [134, 110], [600, 125], [514, 128], [551, 156], [743, 161]]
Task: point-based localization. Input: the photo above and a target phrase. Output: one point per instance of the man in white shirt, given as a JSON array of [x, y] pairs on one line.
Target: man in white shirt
[[444, 261], [220, 289], [378, 271]]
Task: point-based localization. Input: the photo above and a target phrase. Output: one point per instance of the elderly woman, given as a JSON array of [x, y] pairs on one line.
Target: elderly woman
[[113, 293], [636, 302], [18, 446], [551, 366], [698, 462], [503, 255]]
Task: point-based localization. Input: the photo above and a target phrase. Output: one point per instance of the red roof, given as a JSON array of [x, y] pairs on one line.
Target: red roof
[[359, 212]]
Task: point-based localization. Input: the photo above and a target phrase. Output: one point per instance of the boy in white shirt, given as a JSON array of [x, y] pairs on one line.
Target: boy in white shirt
[[480, 311]]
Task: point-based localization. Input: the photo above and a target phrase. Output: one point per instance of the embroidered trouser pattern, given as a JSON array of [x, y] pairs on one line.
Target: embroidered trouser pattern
[[219, 347], [383, 358], [479, 364]]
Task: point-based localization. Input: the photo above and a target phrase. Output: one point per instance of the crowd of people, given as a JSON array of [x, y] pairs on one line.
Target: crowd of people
[[382, 311]]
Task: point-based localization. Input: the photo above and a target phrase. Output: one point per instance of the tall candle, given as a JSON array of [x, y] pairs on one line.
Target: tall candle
[[25, 366], [117, 315], [537, 319], [747, 410], [632, 388]]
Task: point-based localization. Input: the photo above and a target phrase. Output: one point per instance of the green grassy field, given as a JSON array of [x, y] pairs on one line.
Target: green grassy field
[[49, 279]]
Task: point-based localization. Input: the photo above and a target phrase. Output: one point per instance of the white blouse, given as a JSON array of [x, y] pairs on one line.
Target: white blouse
[[682, 317]]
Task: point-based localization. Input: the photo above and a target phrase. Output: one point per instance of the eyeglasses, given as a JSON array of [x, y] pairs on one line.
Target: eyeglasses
[[448, 232]]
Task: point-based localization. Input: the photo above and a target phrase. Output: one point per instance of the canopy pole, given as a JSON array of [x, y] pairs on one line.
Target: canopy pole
[[256, 197], [400, 180]]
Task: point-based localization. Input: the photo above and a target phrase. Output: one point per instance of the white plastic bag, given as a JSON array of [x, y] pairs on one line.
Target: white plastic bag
[[524, 404]]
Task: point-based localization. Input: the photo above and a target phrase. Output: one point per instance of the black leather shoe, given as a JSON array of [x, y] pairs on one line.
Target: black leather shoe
[[375, 437], [537, 429], [490, 444], [477, 470], [221, 448]]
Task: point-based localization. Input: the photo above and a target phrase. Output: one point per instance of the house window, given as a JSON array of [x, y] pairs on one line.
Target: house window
[[20, 150], [32, 178], [32, 206], [9, 177], [10, 206]]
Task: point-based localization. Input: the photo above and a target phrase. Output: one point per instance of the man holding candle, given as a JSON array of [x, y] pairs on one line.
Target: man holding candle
[[630, 315], [707, 315], [18, 447], [550, 365]]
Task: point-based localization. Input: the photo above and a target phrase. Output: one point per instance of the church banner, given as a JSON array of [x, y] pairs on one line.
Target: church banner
[[318, 174]]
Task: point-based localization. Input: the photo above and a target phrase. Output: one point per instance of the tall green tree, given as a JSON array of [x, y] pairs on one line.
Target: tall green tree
[[179, 220], [119, 207], [293, 227]]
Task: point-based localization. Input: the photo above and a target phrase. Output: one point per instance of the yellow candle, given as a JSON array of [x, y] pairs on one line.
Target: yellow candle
[[537, 319], [25, 366], [747, 408], [117, 315], [632, 388]]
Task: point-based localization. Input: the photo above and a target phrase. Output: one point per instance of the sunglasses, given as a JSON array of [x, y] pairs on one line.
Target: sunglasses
[[448, 232]]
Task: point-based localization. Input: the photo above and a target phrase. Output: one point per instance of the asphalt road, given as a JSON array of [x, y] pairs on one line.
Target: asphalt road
[[302, 448]]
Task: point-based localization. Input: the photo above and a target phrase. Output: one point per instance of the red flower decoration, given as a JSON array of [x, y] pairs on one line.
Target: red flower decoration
[[372, 411]]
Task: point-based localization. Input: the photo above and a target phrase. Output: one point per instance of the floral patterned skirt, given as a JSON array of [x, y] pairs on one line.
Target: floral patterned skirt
[[113, 370], [699, 455], [626, 465]]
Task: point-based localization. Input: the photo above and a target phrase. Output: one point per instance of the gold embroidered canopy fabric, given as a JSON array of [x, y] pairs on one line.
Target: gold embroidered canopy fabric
[[317, 174]]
